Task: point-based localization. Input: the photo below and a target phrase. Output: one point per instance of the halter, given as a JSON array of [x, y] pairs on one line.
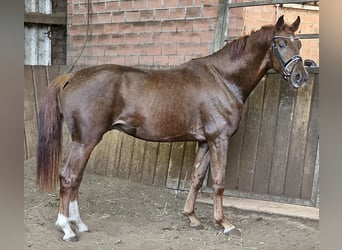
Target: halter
[[284, 65]]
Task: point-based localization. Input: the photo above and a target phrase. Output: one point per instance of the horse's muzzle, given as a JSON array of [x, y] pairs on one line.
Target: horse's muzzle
[[299, 75]]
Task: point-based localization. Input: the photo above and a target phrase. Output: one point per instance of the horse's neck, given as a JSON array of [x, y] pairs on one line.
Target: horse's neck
[[247, 70]]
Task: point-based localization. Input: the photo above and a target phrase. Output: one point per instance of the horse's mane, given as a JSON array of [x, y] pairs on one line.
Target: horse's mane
[[237, 46]]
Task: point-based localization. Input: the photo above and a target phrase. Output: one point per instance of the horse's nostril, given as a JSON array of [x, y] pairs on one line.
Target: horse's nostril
[[298, 77]]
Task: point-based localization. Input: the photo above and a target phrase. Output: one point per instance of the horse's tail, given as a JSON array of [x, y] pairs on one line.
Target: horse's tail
[[50, 136]]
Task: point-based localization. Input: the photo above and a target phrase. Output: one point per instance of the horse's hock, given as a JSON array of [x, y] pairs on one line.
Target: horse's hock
[[273, 155]]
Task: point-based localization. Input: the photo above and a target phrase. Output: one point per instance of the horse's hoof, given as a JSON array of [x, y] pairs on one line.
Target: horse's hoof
[[71, 239], [232, 231]]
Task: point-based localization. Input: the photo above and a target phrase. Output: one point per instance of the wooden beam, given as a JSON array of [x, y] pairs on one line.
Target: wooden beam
[[221, 24], [50, 19]]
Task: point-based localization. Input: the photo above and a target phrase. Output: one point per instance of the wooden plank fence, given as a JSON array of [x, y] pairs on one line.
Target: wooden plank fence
[[273, 155]]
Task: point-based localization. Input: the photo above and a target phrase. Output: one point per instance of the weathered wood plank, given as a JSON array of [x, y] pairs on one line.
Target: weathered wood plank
[[263, 163], [125, 156], [30, 113], [282, 139], [294, 174], [312, 142], [40, 83], [187, 168], [137, 160], [175, 165], [149, 165], [233, 157], [162, 164], [250, 139], [114, 153], [40, 18]]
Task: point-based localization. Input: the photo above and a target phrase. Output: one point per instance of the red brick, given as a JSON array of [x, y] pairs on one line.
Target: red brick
[[99, 7], [111, 50], [118, 17], [146, 15], [103, 18], [169, 25], [146, 60], [153, 26], [191, 37], [206, 36], [184, 25], [125, 27], [153, 49], [177, 13], [140, 4], [161, 37], [97, 51], [132, 38], [193, 12], [90, 60], [201, 49], [138, 27], [176, 60], [126, 5], [210, 12], [104, 39], [201, 24], [185, 49], [160, 60], [103, 60], [132, 16], [185, 3], [117, 60], [169, 49], [176, 37], [155, 4], [170, 3], [118, 39], [109, 28], [161, 14], [145, 38], [96, 29], [131, 60], [112, 6], [78, 19]]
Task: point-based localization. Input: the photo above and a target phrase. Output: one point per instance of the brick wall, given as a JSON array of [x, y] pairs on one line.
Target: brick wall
[[245, 20], [161, 33], [141, 32]]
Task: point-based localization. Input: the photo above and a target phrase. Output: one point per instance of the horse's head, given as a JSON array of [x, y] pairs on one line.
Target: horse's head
[[285, 53]]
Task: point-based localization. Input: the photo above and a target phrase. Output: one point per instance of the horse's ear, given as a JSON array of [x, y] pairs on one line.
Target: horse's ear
[[280, 23], [295, 25]]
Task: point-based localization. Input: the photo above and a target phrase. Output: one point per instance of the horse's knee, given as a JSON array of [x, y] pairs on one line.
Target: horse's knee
[[218, 189], [69, 181]]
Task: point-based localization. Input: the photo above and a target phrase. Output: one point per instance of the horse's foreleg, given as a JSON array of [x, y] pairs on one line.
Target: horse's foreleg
[[201, 165], [218, 155], [70, 180]]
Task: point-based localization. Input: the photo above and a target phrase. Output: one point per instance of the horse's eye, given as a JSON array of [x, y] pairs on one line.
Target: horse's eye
[[281, 45], [299, 45]]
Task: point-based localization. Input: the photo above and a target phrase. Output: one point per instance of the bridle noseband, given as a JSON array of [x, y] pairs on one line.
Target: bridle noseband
[[286, 73]]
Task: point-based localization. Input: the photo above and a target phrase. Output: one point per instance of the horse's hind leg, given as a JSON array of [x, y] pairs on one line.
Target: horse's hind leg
[[201, 165], [70, 180]]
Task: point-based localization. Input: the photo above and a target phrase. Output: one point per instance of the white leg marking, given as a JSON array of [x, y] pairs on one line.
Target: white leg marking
[[74, 215], [63, 224]]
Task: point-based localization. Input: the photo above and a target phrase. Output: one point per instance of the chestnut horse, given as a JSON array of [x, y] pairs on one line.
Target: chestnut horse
[[200, 100]]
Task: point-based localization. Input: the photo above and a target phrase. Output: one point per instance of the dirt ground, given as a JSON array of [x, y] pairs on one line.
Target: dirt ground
[[126, 215]]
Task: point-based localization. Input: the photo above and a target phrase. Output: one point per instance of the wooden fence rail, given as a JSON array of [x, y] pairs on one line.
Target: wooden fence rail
[[272, 156]]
